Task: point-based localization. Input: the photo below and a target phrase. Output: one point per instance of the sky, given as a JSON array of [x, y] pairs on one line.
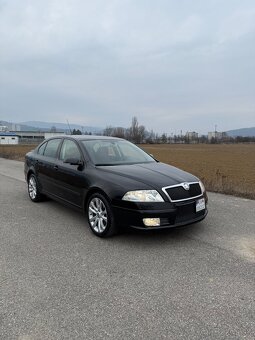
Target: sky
[[176, 65]]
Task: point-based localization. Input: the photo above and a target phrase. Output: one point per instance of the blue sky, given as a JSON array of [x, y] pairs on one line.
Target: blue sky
[[176, 65]]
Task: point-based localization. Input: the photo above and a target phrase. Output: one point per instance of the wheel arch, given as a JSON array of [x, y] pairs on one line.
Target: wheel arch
[[29, 173], [93, 191]]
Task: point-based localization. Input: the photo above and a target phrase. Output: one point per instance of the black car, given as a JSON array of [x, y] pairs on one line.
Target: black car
[[116, 183]]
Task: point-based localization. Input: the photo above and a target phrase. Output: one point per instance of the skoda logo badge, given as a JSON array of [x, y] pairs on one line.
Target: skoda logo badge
[[186, 186]]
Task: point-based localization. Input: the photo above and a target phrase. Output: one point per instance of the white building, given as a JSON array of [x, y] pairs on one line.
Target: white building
[[192, 135], [7, 138], [216, 135]]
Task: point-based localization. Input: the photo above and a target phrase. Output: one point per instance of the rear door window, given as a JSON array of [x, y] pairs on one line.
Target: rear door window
[[52, 148], [41, 149]]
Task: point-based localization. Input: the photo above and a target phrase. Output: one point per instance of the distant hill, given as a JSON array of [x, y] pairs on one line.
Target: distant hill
[[18, 126], [46, 126], [245, 132], [60, 126]]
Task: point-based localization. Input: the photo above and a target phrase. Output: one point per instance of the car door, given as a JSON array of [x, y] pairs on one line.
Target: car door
[[46, 167], [71, 180]]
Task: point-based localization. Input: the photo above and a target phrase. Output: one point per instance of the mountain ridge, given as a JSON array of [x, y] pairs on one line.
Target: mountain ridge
[[64, 127], [47, 126], [61, 126], [243, 132]]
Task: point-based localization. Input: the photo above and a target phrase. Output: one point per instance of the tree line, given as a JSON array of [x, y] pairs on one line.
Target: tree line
[[138, 134]]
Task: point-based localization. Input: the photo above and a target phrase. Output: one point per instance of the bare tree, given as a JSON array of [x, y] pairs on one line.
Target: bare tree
[[108, 131], [119, 132], [141, 133], [134, 130]]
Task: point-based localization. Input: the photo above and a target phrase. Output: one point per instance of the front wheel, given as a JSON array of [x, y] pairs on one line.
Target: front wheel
[[33, 189], [100, 216]]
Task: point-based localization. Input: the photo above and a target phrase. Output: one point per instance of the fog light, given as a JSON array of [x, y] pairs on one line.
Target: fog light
[[151, 222]]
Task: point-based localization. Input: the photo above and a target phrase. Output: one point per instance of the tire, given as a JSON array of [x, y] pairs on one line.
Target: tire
[[33, 189], [100, 216]]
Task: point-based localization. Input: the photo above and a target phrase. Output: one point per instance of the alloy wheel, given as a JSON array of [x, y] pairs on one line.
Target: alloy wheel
[[32, 188], [97, 215]]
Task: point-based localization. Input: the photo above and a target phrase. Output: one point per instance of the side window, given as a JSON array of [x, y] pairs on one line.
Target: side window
[[41, 149], [52, 148], [69, 149]]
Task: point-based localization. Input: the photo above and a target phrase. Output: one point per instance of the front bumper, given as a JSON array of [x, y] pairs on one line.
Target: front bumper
[[171, 215]]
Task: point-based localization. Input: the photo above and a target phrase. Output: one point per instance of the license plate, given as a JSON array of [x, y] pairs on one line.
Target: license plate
[[200, 204]]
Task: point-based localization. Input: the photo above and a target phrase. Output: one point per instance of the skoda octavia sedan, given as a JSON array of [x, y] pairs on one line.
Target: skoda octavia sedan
[[116, 183]]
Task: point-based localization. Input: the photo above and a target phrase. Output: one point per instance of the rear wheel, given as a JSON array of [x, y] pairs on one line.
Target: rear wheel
[[100, 216], [33, 189]]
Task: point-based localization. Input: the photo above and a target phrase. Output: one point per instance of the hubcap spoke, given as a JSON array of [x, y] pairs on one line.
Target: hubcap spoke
[[92, 210]]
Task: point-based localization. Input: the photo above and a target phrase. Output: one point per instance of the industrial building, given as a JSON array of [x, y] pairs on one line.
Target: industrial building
[[8, 138], [26, 137]]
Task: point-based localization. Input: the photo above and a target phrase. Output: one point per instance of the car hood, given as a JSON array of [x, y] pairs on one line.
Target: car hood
[[155, 175]]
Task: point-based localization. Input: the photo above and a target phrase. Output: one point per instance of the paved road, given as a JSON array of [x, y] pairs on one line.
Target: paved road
[[58, 281]]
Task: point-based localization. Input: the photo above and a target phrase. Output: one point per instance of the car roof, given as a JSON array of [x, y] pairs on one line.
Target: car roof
[[86, 137]]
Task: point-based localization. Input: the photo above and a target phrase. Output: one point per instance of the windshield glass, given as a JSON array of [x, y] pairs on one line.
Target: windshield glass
[[115, 152]]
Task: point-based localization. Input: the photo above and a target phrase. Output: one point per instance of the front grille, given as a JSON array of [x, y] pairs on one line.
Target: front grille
[[178, 193]]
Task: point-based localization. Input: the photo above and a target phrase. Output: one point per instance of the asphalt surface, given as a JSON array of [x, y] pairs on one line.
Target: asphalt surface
[[59, 281]]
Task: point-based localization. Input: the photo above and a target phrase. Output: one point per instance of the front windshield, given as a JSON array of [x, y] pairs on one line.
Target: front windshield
[[115, 152]]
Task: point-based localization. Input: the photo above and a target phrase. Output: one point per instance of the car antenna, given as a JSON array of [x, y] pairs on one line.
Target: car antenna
[[69, 127]]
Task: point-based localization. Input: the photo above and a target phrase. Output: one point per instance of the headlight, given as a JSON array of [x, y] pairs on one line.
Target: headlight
[[202, 187], [143, 196]]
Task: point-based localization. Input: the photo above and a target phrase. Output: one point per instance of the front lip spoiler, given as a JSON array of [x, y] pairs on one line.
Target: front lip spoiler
[[176, 225]]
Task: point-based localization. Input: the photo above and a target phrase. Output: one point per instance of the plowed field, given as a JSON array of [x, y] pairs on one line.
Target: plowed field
[[223, 168]]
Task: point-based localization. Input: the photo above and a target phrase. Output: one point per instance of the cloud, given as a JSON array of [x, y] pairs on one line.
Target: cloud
[[102, 62], [237, 25]]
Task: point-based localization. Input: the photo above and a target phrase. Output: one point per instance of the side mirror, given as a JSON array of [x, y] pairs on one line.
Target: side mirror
[[74, 161]]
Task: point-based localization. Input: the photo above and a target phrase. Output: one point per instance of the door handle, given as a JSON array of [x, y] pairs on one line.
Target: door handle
[[56, 167]]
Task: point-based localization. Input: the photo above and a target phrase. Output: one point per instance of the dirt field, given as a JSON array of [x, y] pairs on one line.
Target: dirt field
[[223, 168], [16, 152]]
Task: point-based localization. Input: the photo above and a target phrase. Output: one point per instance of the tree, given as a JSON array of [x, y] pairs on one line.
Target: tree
[[119, 132], [164, 138], [141, 134], [108, 131], [76, 132], [150, 138], [136, 132]]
